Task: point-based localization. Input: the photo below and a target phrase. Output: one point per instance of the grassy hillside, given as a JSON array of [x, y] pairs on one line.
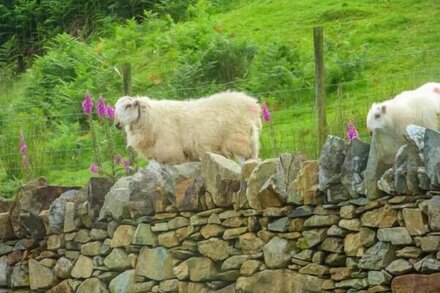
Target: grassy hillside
[[373, 50]]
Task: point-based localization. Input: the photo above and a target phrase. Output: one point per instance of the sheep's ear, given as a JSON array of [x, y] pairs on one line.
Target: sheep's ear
[[383, 109]]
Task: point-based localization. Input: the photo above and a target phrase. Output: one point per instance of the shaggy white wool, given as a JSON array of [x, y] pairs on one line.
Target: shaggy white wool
[[173, 132], [420, 107]]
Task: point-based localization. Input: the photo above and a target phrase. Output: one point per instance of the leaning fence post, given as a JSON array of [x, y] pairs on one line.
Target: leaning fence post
[[321, 103]]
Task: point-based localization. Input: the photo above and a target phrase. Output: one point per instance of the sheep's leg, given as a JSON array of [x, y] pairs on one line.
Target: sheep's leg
[[167, 153]]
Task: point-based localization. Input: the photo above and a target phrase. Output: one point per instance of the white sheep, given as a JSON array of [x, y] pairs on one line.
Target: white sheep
[[420, 106], [172, 132]]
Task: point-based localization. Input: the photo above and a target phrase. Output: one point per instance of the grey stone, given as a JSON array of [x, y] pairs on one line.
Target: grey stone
[[302, 211], [83, 268], [354, 164], [91, 248], [5, 249], [409, 252], [4, 271], [279, 225], [277, 252], [431, 155], [117, 260], [63, 268], [20, 276], [427, 265], [352, 283], [434, 213], [351, 225], [222, 178], [123, 283], [98, 234], [386, 182], [92, 285], [336, 231], [379, 160], [378, 256], [399, 267], [331, 160], [40, 277], [311, 238], [332, 245], [395, 235], [379, 277], [198, 269], [234, 262], [57, 209]]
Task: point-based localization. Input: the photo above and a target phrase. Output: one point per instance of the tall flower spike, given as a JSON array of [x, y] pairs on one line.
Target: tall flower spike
[[101, 108], [352, 132], [23, 146], [265, 112], [87, 104], [94, 169], [110, 112]]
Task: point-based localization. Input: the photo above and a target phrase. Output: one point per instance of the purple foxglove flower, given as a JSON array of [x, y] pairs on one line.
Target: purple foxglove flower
[[110, 112], [87, 104], [352, 131], [101, 108], [94, 169], [117, 159], [23, 146], [126, 165], [265, 112]]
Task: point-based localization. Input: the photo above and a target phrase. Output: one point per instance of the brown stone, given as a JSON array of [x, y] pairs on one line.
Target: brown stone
[[384, 217], [62, 287], [83, 268], [168, 239], [234, 233], [341, 273], [304, 187], [414, 221], [212, 230], [214, 248], [430, 243], [416, 283], [250, 243], [122, 236], [188, 194]]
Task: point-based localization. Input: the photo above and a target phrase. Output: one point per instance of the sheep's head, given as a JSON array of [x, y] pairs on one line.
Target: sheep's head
[[127, 111], [376, 117]]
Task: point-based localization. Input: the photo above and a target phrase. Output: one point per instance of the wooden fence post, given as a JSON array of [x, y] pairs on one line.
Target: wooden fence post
[[126, 80], [321, 100]]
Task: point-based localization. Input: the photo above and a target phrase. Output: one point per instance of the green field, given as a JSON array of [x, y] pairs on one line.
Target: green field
[[373, 50]]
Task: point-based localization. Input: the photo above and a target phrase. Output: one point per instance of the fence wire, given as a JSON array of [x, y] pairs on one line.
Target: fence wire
[[293, 126]]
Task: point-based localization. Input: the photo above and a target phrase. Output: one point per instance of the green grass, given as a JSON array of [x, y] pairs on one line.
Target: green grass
[[397, 41]]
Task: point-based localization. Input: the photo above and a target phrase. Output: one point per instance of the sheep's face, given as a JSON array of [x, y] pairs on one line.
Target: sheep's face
[[126, 111], [376, 117]]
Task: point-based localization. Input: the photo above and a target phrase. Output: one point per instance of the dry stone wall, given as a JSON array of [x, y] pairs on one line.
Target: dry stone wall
[[281, 225]]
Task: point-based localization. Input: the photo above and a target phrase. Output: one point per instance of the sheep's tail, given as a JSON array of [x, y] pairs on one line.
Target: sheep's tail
[[255, 139]]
